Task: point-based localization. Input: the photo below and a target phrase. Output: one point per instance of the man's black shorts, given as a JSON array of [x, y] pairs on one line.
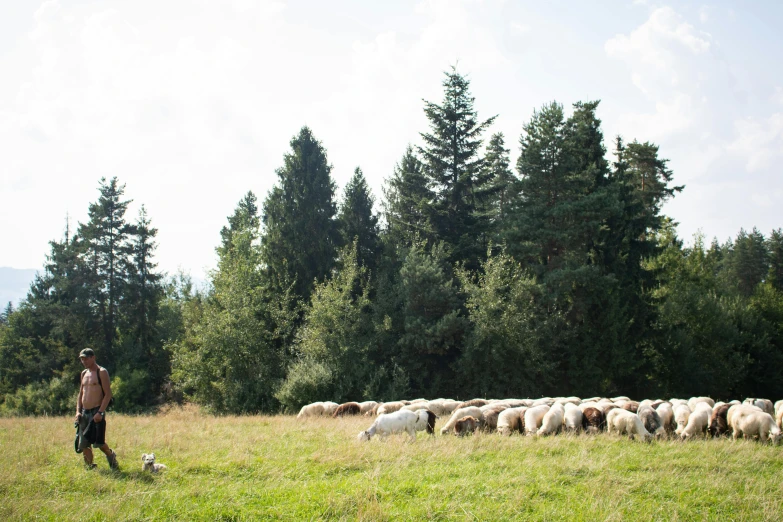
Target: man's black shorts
[[91, 432]]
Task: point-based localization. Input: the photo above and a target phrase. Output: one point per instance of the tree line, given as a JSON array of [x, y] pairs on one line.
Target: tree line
[[559, 277]]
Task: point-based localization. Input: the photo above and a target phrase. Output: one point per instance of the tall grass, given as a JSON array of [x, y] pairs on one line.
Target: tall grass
[[250, 468]]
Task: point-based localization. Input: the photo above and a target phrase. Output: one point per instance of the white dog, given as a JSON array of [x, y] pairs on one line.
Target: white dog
[[149, 463]]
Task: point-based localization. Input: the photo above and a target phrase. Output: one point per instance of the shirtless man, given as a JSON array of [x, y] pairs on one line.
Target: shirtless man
[[94, 397]]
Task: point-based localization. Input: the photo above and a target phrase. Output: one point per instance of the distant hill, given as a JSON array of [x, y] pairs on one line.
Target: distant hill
[[14, 284]]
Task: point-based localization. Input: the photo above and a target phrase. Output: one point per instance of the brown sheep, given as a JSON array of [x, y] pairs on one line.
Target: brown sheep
[[593, 420], [465, 426], [474, 402], [431, 419], [348, 408], [632, 406], [718, 422], [491, 418]]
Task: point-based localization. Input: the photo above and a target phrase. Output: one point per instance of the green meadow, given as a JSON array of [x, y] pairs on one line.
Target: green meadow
[[276, 467]]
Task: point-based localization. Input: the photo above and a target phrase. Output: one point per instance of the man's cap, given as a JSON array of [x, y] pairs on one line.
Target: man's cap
[[87, 352]]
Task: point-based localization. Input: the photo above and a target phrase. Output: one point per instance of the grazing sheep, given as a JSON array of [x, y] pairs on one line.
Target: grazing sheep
[[491, 413], [465, 426], [666, 414], [552, 421], [739, 409], [572, 419], [347, 408], [329, 408], [764, 404], [415, 406], [677, 402], [681, 414], [588, 404], [473, 411], [756, 423], [719, 424], [606, 408], [698, 421], [631, 406], [511, 420], [652, 421], [441, 407], [473, 402], [389, 407], [624, 422], [534, 417], [693, 401], [591, 399], [426, 421], [311, 410], [779, 418], [778, 407], [620, 398], [390, 423], [545, 401], [368, 407], [593, 420]]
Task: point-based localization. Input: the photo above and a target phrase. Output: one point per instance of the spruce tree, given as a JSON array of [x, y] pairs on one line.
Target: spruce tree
[[453, 165], [105, 246], [357, 222], [300, 233], [748, 261], [407, 202], [775, 248], [497, 182], [245, 217]]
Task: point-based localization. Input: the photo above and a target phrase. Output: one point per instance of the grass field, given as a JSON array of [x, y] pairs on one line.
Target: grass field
[[250, 468]]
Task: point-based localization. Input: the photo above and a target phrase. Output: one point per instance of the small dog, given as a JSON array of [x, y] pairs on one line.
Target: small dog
[[148, 463]]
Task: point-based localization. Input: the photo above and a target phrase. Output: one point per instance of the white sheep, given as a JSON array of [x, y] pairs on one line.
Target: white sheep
[[739, 410], [472, 411], [545, 401], [681, 414], [666, 414], [390, 407], [511, 420], [778, 407], [698, 421], [397, 422], [311, 410], [416, 406], [753, 423], [693, 401], [764, 404], [534, 417], [553, 420], [367, 407], [624, 422], [779, 418], [329, 408], [572, 419]]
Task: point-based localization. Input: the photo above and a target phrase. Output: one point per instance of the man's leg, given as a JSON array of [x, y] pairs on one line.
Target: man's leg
[[110, 456], [87, 454]]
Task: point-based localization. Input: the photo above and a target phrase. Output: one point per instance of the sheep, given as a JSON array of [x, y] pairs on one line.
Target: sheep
[[624, 422], [756, 423], [778, 407], [631, 406], [329, 408], [738, 409], [698, 421], [765, 405], [693, 401], [473, 402], [465, 426], [572, 419], [588, 404], [593, 420], [666, 414], [545, 401], [426, 421], [652, 421], [552, 421], [389, 407], [390, 423], [368, 407], [440, 407], [620, 398], [606, 408], [534, 417], [576, 401], [491, 413], [311, 410], [473, 411], [681, 414], [510, 420], [415, 406], [348, 408], [779, 418], [719, 424]]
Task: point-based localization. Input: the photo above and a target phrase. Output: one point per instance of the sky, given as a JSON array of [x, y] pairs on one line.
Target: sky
[[191, 103]]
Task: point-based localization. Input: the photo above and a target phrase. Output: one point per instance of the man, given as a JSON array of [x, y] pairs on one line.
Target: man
[[94, 397]]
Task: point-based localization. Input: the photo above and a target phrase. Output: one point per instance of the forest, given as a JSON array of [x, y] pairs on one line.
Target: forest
[[469, 278]]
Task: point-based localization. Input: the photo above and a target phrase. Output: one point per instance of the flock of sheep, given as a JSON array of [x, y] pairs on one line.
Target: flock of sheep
[[645, 420]]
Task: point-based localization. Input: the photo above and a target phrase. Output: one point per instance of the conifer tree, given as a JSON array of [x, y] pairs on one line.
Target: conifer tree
[[748, 261], [775, 248], [497, 183], [357, 222], [245, 217], [453, 166], [300, 233], [407, 201]]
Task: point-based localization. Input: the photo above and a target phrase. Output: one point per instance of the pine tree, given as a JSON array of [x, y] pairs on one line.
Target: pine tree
[[453, 167], [748, 261], [775, 248], [105, 246], [300, 232], [245, 217], [497, 181], [357, 222], [407, 201]]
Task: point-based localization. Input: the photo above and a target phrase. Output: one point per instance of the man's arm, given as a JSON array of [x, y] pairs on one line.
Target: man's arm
[[106, 385], [79, 396]]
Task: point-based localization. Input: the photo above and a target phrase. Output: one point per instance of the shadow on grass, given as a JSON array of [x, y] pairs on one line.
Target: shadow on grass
[[128, 476]]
